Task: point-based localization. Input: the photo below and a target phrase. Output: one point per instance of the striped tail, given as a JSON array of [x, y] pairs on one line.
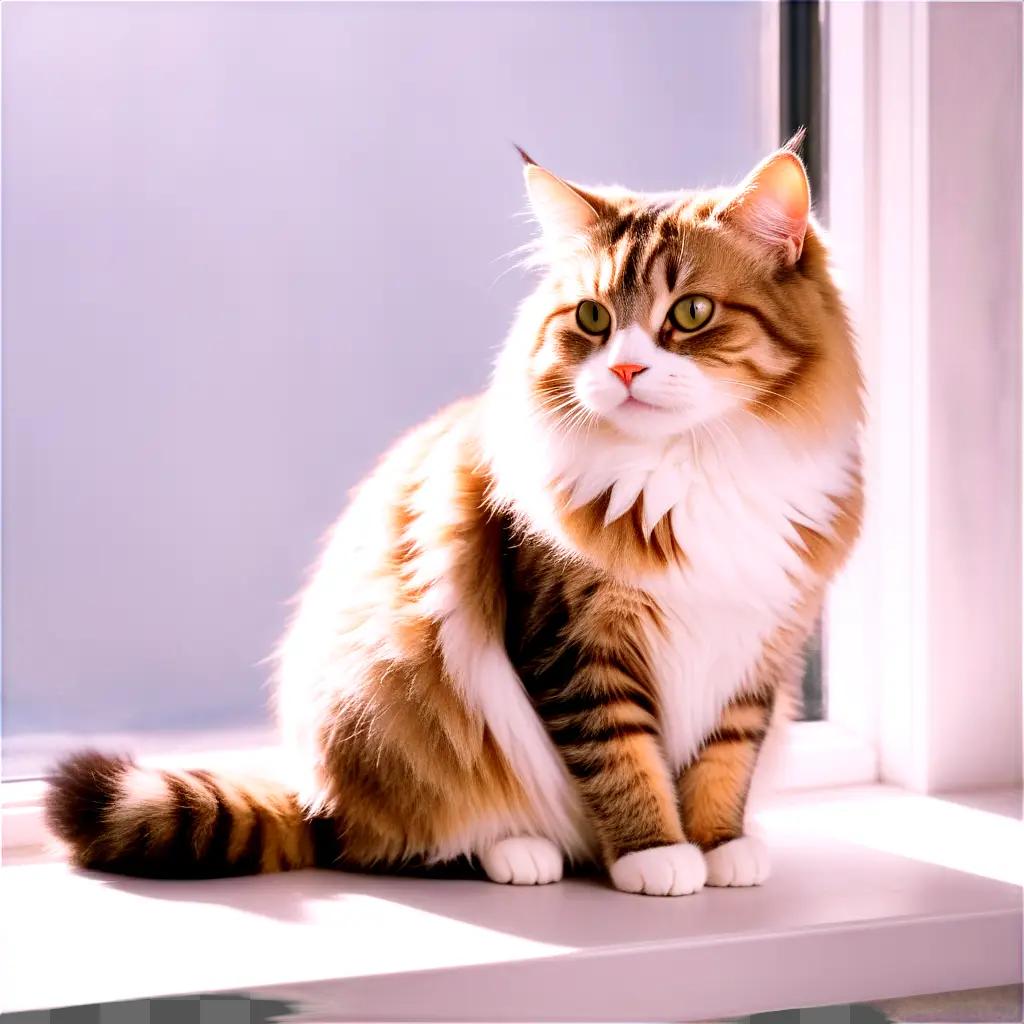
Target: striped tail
[[128, 820]]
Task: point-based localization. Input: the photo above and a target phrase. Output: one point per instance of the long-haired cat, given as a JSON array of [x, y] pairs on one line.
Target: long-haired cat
[[556, 621]]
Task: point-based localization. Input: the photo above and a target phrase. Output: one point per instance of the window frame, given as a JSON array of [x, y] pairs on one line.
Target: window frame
[[905, 675], [803, 108], [852, 650], [901, 707], [820, 88]]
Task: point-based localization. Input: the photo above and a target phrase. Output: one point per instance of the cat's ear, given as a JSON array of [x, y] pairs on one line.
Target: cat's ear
[[773, 203], [562, 210]]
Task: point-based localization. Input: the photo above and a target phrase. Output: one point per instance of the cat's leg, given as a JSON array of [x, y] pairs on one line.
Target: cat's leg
[[713, 792], [603, 719], [627, 790]]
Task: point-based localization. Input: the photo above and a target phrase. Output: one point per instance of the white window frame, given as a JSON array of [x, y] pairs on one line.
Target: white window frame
[[923, 667], [898, 649], [894, 708], [842, 748], [850, 699]]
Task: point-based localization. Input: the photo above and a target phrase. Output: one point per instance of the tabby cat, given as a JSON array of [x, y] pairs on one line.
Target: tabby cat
[[558, 620]]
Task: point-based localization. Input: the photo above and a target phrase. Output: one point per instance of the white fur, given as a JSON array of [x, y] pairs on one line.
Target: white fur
[[740, 862], [675, 870], [491, 685], [321, 665], [142, 796], [742, 492], [485, 676], [140, 791], [523, 860], [733, 487], [677, 395]]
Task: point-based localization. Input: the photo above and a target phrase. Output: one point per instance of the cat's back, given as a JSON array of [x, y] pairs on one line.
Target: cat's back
[[416, 478], [388, 560]]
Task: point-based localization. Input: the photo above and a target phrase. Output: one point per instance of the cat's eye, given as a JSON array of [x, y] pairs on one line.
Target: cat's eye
[[593, 317], [691, 312]]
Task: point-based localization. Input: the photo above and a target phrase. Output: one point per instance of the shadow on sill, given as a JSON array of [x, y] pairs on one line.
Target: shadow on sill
[[813, 884]]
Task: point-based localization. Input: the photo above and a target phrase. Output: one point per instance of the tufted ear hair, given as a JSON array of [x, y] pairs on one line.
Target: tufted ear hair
[[773, 203], [563, 210]]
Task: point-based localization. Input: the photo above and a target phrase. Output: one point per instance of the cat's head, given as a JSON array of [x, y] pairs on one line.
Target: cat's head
[[660, 314]]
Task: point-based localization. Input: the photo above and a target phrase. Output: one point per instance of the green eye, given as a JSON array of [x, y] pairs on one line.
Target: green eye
[[691, 312], [593, 317]]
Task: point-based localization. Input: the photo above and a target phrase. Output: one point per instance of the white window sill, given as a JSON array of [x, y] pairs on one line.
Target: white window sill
[[877, 893], [816, 755]]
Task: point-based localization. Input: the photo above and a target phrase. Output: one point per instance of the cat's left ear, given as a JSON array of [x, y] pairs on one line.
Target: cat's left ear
[[562, 210], [773, 204]]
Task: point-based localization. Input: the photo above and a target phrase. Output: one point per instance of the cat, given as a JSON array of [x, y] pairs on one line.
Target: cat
[[558, 620]]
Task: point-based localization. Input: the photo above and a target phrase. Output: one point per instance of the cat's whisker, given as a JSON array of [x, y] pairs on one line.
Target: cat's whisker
[[766, 405], [714, 443], [504, 273], [764, 423], [766, 391], [696, 458], [581, 417], [725, 426], [554, 410], [518, 250]]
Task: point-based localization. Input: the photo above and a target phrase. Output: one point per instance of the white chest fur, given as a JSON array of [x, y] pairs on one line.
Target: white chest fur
[[732, 498], [733, 492]]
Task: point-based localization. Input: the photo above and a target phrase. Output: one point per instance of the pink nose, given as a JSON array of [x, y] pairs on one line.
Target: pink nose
[[627, 371]]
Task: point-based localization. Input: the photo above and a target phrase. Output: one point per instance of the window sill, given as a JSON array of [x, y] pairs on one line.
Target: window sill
[[815, 755], [877, 893]]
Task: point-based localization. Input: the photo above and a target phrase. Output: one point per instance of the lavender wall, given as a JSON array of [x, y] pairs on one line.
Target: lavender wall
[[244, 246]]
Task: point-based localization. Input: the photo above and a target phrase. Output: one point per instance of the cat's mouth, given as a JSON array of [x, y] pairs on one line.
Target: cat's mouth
[[632, 402]]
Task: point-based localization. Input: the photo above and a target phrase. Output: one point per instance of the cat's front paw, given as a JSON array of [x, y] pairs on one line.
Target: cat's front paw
[[523, 860], [742, 861], [675, 870]]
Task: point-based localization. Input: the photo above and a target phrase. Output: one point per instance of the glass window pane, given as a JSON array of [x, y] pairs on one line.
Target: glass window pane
[[245, 246], [813, 684]]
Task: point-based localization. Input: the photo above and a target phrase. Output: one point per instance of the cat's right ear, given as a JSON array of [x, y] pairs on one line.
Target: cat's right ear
[[774, 203], [562, 210]]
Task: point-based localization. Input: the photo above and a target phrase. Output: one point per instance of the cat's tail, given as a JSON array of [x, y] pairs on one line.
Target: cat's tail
[[118, 817]]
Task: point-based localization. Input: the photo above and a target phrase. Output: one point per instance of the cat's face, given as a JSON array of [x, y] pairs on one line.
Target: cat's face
[[664, 314]]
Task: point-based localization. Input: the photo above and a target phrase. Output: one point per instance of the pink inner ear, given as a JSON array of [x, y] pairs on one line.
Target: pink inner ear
[[775, 203], [785, 180], [559, 208]]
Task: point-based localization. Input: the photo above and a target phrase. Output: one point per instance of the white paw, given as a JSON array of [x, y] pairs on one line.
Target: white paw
[[675, 870], [742, 861], [523, 860]]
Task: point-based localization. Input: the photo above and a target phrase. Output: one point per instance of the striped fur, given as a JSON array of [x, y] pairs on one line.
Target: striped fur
[[558, 619], [164, 824]]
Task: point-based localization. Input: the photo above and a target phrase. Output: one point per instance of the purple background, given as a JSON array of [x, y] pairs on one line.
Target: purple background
[[244, 247]]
